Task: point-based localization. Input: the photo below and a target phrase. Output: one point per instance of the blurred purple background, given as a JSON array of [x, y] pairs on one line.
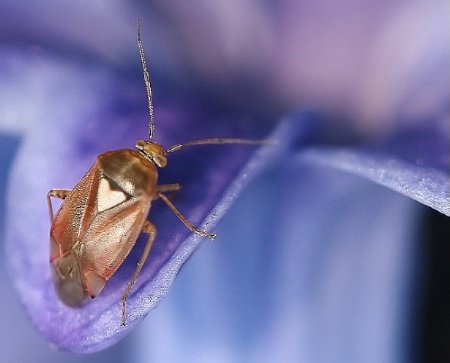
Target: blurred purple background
[[330, 255]]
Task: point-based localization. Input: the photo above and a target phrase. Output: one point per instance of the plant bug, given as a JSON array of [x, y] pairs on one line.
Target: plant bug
[[101, 218]]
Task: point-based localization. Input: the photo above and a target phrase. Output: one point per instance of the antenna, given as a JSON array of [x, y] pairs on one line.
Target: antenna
[[148, 84], [221, 141]]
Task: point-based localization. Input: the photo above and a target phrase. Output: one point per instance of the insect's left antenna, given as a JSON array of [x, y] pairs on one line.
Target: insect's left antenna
[[148, 84]]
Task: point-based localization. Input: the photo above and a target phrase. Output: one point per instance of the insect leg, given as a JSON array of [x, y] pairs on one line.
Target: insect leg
[[150, 229], [183, 218], [163, 188], [56, 193]]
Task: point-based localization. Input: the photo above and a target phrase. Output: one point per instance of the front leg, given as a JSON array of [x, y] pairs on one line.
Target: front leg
[[56, 193], [164, 188], [182, 218], [173, 189]]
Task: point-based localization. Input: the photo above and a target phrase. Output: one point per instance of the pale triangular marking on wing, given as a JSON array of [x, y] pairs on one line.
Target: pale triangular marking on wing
[[109, 197]]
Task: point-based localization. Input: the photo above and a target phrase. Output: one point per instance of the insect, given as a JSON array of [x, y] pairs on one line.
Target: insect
[[101, 218]]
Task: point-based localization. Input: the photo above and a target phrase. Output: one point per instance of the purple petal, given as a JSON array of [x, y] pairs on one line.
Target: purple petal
[[416, 165], [268, 56], [309, 260], [426, 185], [55, 155], [327, 259]]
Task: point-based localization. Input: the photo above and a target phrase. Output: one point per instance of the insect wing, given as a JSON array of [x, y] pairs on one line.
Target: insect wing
[[74, 215], [99, 222], [125, 191], [70, 223], [112, 235]]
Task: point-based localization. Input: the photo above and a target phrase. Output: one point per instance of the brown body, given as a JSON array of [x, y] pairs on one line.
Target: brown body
[[101, 218], [99, 222]]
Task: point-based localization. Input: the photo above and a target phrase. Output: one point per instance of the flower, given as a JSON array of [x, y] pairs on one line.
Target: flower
[[315, 258]]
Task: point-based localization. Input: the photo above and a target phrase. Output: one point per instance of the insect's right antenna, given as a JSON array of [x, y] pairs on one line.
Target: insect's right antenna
[[148, 84], [218, 141]]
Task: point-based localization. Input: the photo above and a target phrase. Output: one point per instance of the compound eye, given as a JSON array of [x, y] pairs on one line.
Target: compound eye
[[140, 145], [160, 160]]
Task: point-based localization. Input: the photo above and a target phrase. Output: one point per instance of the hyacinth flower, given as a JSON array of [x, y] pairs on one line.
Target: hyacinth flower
[[315, 254]]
